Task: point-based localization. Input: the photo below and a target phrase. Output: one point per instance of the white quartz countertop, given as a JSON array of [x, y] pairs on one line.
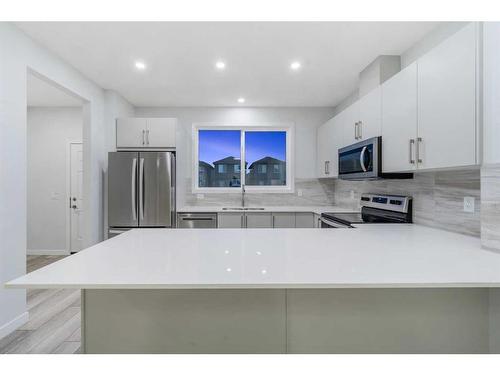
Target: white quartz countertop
[[372, 255], [315, 209]]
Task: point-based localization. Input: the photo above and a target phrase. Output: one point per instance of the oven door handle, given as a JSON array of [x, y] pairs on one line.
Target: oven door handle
[[332, 223], [362, 159]]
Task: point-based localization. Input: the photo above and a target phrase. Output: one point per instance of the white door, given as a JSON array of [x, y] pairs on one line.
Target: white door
[[131, 132], [76, 196], [447, 102], [160, 132], [399, 125], [370, 115]]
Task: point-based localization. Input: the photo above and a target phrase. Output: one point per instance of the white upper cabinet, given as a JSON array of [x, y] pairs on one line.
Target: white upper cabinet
[[447, 102], [399, 121], [324, 149], [161, 132], [131, 132], [145, 132], [369, 123], [348, 120]]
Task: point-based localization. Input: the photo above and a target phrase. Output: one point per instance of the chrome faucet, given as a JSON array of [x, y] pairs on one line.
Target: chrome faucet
[[242, 195]]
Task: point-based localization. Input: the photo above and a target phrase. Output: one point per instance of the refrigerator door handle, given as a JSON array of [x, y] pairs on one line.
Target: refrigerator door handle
[[133, 182], [141, 188]]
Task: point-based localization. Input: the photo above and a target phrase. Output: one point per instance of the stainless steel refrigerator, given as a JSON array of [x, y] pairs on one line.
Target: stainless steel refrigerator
[[141, 190]]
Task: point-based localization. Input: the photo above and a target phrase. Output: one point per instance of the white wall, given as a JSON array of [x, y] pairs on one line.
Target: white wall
[[50, 129], [18, 54], [306, 121]]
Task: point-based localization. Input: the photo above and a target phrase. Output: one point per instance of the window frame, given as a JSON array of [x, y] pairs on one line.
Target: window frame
[[288, 128]]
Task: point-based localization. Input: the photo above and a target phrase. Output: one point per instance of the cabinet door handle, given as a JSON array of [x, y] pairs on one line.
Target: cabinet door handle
[[327, 167], [355, 130], [419, 142], [360, 130], [147, 137], [143, 138], [412, 143]]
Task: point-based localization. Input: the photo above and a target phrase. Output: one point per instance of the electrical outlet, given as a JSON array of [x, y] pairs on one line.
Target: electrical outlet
[[200, 196], [299, 192], [352, 194], [469, 204]]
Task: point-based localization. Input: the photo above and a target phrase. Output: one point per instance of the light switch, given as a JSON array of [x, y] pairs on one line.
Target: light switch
[[299, 192], [469, 204]]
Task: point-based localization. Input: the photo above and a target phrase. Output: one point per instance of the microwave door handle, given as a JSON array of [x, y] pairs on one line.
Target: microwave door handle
[[362, 159]]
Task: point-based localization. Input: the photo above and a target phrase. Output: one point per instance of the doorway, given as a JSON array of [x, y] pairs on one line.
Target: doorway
[[55, 214]]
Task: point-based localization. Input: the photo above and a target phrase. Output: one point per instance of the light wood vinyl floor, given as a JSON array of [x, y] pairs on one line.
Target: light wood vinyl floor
[[54, 318]]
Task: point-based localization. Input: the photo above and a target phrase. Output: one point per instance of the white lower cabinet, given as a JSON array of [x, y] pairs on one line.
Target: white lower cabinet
[[284, 220], [266, 220], [304, 220], [258, 220], [230, 220]]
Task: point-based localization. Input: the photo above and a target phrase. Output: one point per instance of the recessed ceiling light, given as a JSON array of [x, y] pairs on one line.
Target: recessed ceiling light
[[295, 65], [241, 100], [221, 65], [140, 65]]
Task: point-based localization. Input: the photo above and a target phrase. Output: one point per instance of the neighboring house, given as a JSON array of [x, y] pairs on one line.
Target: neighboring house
[[224, 173], [267, 171], [205, 174]]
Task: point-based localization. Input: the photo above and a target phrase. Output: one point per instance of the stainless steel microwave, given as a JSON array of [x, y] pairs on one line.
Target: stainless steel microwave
[[363, 161]]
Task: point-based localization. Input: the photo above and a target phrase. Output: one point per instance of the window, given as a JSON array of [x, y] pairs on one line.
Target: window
[[227, 157]]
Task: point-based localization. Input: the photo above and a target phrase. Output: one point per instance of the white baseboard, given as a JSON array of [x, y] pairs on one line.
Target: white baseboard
[[13, 324], [47, 252]]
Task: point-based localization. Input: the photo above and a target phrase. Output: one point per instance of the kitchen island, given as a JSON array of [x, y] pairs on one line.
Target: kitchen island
[[373, 289]]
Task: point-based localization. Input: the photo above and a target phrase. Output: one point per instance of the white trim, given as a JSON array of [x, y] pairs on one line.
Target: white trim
[[47, 252], [288, 127], [14, 324], [68, 197]]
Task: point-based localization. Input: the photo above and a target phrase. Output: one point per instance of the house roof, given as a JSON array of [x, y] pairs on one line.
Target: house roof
[[205, 164], [266, 160], [228, 160]]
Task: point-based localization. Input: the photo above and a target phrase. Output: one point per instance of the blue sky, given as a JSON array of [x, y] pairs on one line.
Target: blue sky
[[218, 144]]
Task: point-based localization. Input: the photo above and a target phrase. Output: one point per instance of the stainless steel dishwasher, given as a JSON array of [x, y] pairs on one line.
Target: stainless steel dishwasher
[[197, 220]]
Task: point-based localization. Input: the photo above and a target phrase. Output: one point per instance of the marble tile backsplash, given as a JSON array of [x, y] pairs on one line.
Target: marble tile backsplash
[[490, 206], [437, 197], [315, 192]]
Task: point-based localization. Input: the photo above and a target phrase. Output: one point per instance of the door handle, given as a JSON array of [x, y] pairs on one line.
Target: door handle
[[362, 159], [132, 185], [412, 143], [419, 142], [141, 181]]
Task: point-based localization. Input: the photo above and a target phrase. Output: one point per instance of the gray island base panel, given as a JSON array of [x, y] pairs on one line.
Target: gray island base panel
[[430, 320]]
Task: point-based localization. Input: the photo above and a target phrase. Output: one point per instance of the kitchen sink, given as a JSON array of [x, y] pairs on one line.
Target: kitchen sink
[[243, 208]]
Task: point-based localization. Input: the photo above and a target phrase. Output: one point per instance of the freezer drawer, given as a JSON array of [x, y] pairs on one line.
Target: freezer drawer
[[113, 232], [197, 220]]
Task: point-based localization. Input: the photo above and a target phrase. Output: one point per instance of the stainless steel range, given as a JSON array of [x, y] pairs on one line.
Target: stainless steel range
[[375, 208]]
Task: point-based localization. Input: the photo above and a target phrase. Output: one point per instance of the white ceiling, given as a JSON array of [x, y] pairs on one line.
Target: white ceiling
[[42, 94], [180, 58]]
